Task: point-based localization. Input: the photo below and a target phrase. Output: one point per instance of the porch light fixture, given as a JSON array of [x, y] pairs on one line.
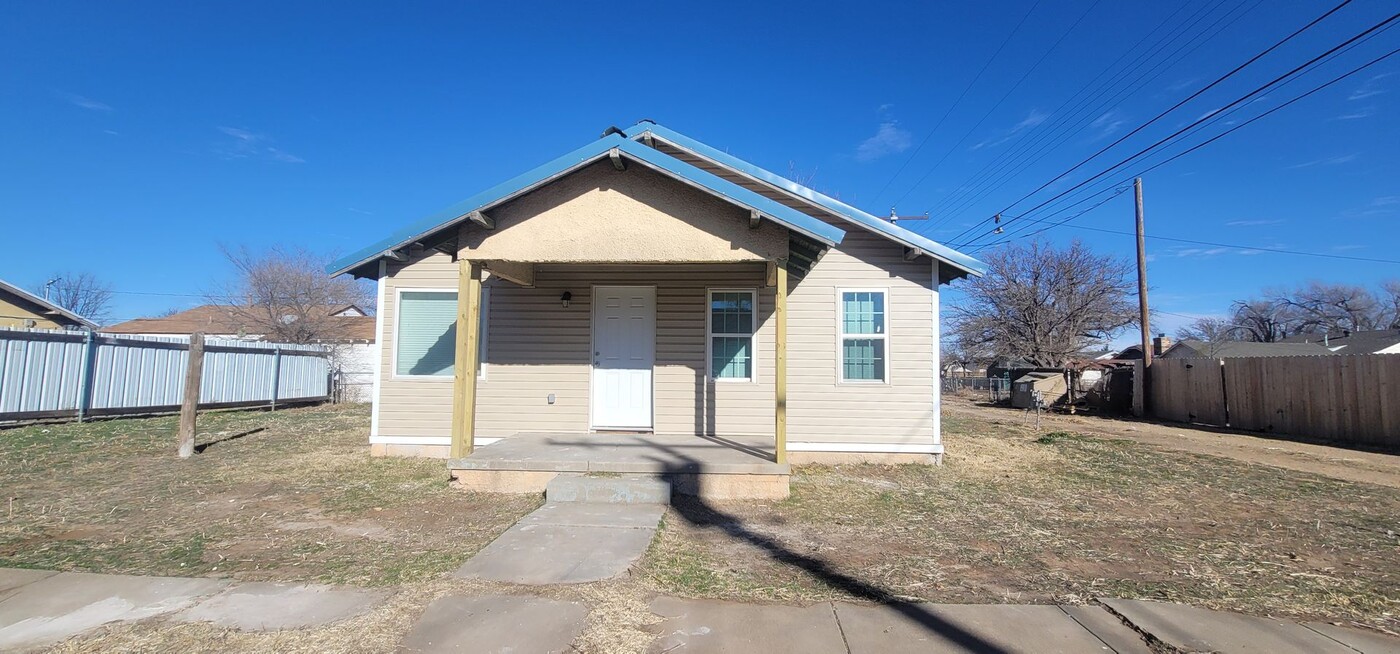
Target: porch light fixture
[[564, 299]]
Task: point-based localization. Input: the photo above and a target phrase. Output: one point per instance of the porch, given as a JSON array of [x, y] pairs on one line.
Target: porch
[[710, 466]]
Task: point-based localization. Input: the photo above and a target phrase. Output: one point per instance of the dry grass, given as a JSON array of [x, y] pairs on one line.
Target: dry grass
[[285, 496], [1016, 516]]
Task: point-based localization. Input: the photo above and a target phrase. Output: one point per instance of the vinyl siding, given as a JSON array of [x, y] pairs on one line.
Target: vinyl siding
[[536, 347]]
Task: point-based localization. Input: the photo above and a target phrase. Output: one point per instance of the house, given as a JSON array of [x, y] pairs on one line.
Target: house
[[354, 350], [1376, 341], [649, 285], [24, 310], [1192, 349]]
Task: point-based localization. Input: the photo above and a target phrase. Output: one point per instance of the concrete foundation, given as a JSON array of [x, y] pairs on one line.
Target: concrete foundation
[[399, 449], [503, 481], [879, 458], [732, 487]]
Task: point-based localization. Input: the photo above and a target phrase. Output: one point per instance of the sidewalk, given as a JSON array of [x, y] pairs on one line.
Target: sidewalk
[[41, 608]]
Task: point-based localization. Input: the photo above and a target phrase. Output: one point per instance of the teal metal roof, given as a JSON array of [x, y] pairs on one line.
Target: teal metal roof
[[595, 151], [878, 225]]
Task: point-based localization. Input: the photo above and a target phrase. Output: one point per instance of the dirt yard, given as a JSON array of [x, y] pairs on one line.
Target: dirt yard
[[285, 496], [1055, 516], [1014, 515]]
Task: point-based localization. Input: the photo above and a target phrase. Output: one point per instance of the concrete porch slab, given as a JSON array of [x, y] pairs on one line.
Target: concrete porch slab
[[623, 453], [496, 624], [1191, 629], [49, 610], [269, 607]]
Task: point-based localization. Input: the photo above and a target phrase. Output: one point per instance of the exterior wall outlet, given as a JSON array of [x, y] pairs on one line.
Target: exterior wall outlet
[[550, 398]]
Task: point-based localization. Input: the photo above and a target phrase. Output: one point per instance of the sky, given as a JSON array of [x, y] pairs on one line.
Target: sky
[[135, 138]]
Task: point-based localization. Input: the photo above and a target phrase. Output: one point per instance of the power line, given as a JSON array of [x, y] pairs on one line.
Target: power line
[[1203, 119], [1026, 153], [1248, 248], [1219, 136], [956, 102], [999, 102], [1189, 98]]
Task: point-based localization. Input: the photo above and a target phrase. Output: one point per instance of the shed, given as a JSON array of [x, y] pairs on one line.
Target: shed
[[1051, 385]]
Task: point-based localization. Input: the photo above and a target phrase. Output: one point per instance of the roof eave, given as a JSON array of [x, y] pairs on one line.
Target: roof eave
[[573, 161], [877, 225], [54, 308]]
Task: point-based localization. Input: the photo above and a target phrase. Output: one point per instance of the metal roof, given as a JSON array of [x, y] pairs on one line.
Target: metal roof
[[54, 308], [878, 225], [595, 151]]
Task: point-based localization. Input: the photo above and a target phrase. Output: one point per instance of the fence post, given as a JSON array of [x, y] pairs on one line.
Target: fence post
[[85, 374], [276, 372], [190, 406]]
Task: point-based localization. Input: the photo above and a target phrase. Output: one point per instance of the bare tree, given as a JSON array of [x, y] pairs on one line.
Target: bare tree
[[1263, 321], [1045, 304], [286, 295], [1209, 330], [1390, 296], [82, 293], [1333, 308]]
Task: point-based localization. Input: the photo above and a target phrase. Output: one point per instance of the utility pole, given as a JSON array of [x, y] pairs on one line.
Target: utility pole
[[1142, 293]]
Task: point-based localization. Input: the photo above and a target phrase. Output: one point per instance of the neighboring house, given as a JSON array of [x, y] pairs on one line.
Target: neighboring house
[[354, 353], [1191, 349], [643, 283], [24, 310], [1377, 341]]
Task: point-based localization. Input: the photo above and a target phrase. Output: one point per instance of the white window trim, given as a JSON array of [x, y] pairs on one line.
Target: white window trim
[[710, 337], [398, 315], [841, 336]]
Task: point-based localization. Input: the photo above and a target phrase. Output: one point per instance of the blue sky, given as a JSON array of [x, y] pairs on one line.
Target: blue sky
[[139, 136]]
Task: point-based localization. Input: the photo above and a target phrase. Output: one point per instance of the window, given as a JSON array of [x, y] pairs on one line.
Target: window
[[426, 344], [863, 336], [733, 320]]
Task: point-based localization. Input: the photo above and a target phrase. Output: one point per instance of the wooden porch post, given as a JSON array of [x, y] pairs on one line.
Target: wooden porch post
[[780, 367], [468, 341]]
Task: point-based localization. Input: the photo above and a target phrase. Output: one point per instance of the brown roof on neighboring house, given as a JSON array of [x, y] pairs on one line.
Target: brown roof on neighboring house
[[219, 319]]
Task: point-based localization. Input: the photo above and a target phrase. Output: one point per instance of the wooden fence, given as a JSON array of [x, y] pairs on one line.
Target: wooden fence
[[74, 374], [1345, 398]]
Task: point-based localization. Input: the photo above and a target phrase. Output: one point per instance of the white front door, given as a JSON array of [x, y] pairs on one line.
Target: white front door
[[624, 349]]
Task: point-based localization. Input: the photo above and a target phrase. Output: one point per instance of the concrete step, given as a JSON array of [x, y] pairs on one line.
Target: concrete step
[[608, 490]]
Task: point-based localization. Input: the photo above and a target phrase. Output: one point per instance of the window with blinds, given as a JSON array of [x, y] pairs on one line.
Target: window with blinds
[[863, 336], [426, 334], [732, 322]]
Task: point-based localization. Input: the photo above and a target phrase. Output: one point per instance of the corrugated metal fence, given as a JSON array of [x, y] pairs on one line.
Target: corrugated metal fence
[[58, 374], [1346, 398]]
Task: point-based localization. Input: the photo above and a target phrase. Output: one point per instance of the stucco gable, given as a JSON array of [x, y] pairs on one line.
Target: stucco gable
[[602, 215]]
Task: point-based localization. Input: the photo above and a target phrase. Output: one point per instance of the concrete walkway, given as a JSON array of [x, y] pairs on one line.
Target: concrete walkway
[[568, 543], [41, 608]]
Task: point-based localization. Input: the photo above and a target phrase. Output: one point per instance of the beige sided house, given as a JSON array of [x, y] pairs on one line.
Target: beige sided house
[[647, 303]]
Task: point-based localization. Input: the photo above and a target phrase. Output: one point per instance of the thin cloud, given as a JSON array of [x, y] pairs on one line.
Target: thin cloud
[[1252, 223], [84, 102], [1330, 161], [247, 144], [1031, 120], [1182, 84], [888, 139], [1364, 112], [1369, 88], [1347, 248], [1386, 201], [1107, 124]]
